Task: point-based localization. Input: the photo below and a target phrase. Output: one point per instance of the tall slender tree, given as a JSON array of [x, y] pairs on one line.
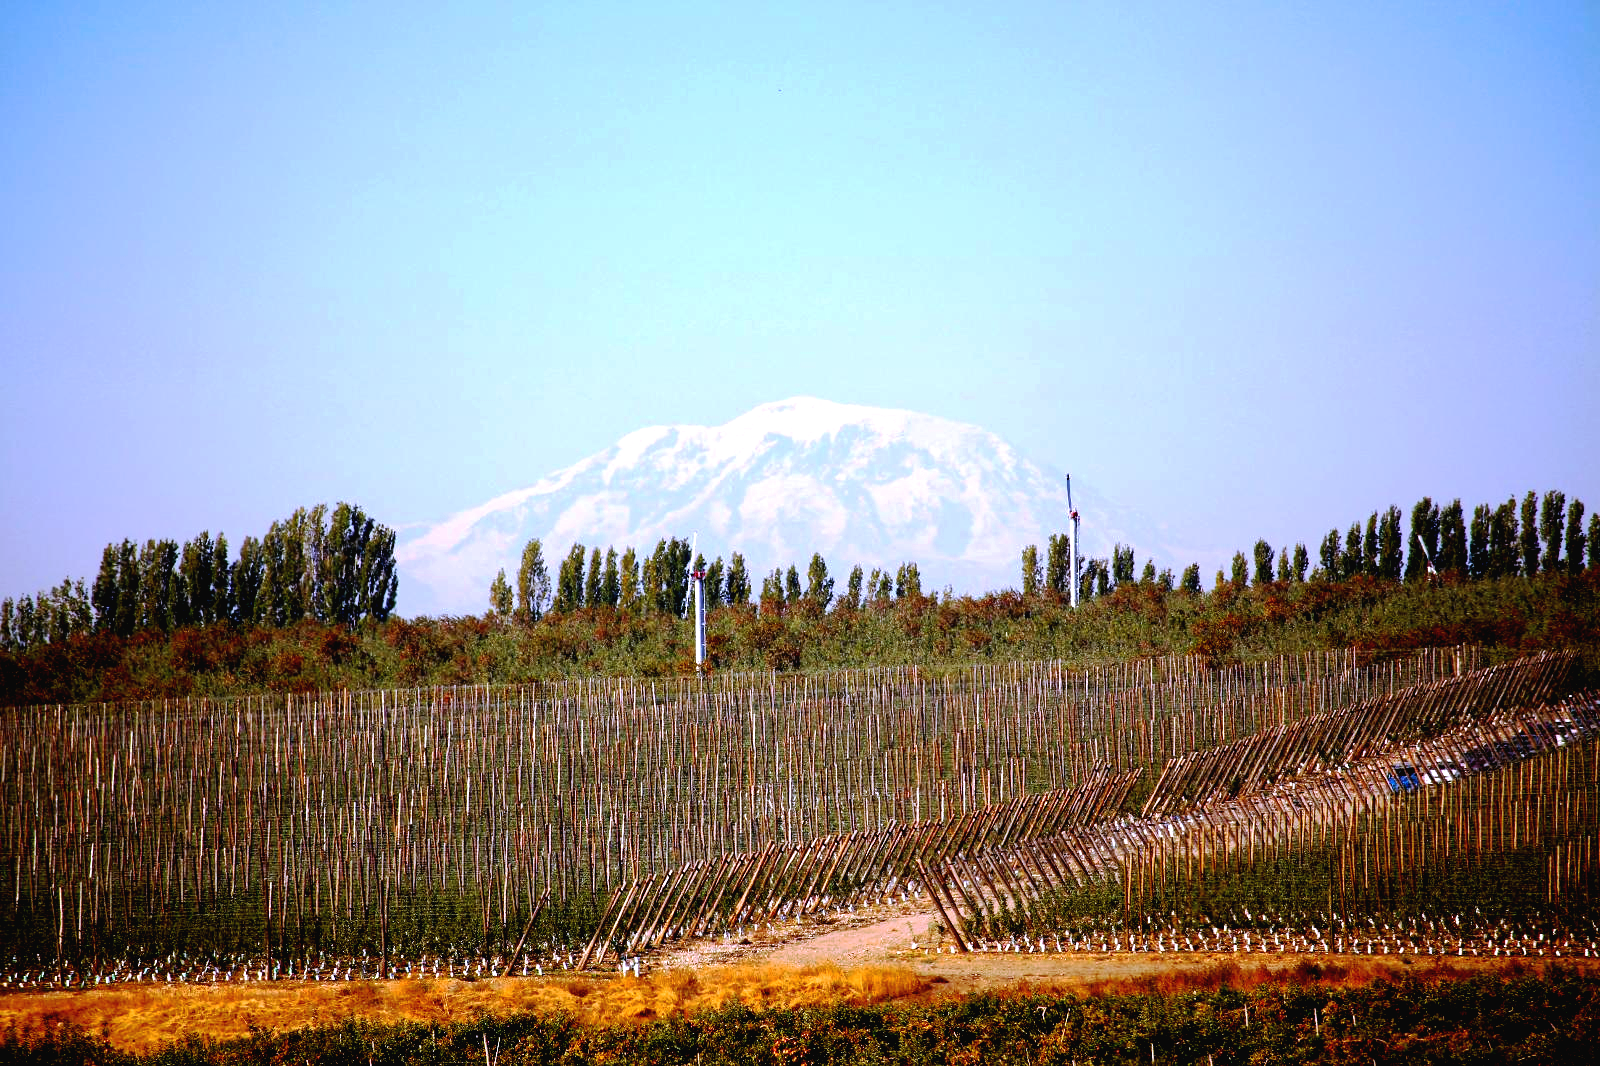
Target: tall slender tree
[[738, 580], [569, 581], [593, 579], [1058, 563], [853, 588], [1031, 578], [1424, 528], [819, 586], [1576, 541], [1332, 567], [1191, 579], [1530, 533], [1504, 558], [715, 577], [1452, 539], [628, 597], [1369, 547], [500, 599], [1552, 525], [1390, 555], [1263, 556], [1479, 560], [1355, 561]]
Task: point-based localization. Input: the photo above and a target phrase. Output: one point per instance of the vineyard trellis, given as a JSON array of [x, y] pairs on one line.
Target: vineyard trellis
[[276, 831]]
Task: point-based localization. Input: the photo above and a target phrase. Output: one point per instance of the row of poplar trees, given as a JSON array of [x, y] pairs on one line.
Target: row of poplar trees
[[659, 582], [334, 565]]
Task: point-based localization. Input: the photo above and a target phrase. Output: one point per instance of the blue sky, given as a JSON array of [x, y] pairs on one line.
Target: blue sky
[[1254, 270]]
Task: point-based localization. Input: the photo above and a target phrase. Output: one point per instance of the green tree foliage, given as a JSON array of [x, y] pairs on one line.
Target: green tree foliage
[[1503, 541], [853, 588], [1529, 540], [500, 598], [1424, 527], [908, 582], [1452, 539], [1576, 541], [196, 581], [1302, 561], [1122, 564], [1285, 566], [881, 582], [158, 581], [107, 591], [611, 580], [1594, 541], [569, 581], [1263, 557], [1353, 561], [1552, 525], [1241, 570], [1369, 547], [354, 566], [533, 583], [249, 574], [772, 598], [1147, 576], [791, 585], [738, 580], [1389, 554], [1479, 558], [628, 596], [593, 579], [667, 577], [1191, 579], [1058, 563], [715, 576], [1328, 556], [1031, 577], [819, 586]]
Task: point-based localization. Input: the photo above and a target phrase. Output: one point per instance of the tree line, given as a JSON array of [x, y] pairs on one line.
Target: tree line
[[659, 583], [333, 566], [1502, 540]]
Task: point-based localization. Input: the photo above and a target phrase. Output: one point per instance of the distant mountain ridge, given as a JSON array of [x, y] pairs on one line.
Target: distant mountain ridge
[[866, 485]]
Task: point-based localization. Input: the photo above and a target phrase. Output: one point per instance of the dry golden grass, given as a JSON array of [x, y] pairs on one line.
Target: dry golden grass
[[142, 1017]]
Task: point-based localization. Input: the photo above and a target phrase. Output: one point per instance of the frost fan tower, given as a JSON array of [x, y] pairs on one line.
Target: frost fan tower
[[697, 577], [1072, 547]]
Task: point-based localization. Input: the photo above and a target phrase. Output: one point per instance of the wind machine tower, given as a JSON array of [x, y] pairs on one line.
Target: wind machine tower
[[1072, 547], [697, 578]]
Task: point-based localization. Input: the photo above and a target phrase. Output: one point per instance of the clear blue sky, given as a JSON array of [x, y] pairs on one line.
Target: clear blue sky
[[1252, 269]]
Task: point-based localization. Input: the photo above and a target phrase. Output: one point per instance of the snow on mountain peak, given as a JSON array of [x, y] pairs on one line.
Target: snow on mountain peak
[[866, 485]]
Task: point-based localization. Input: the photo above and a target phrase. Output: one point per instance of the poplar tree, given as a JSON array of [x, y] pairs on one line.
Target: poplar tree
[[611, 580], [1594, 541], [249, 574], [1575, 537], [569, 581], [628, 598], [1030, 571], [715, 575], [500, 595], [1302, 560], [1452, 539], [1147, 576], [1369, 547], [1191, 579], [1328, 556], [1058, 564], [791, 585], [772, 598], [1552, 524], [1122, 564], [852, 588], [1424, 526], [533, 583], [1503, 540], [1479, 561], [819, 586], [1241, 570], [738, 580], [1387, 561], [107, 590], [1355, 562], [1530, 534], [593, 579], [1285, 567], [1263, 554]]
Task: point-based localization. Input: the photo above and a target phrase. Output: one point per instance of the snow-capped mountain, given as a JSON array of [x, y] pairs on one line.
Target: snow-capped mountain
[[859, 484]]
